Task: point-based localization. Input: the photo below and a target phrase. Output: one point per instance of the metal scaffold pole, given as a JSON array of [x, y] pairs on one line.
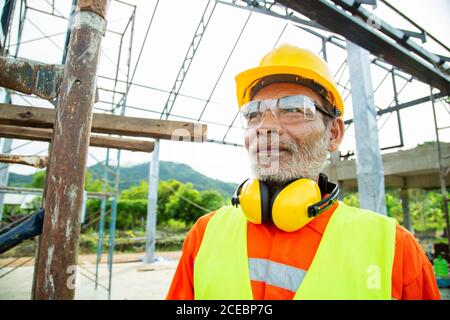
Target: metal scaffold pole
[[369, 167], [101, 231], [5, 145], [112, 225], [4, 173], [152, 206], [55, 271], [443, 172]]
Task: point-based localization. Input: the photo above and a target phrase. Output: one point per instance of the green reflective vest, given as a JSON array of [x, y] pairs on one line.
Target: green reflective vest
[[353, 261]]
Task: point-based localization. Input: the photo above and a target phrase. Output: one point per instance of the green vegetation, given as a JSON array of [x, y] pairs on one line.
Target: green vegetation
[[425, 207], [180, 204], [131, 176]]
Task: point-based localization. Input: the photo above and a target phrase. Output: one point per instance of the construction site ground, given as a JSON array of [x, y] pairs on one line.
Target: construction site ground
[[132, 279]]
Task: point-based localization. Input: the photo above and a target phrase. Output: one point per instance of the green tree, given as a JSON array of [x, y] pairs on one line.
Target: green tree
[[394, 204], [184, 205], [91, 184], [351, 199], [425, 207], [212, 200], [136, 192], [165, 190], [38, 179]]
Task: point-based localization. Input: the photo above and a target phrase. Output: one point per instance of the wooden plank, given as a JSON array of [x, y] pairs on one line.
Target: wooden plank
[[17, 115], [39, 134]]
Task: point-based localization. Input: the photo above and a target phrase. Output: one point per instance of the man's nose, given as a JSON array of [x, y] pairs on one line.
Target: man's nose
[[268, 125]]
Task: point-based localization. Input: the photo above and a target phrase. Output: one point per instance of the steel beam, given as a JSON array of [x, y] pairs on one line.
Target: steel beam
[[403, 105], [272, 8], [56, 264], [396, 34], [354, 29], [425, 32]]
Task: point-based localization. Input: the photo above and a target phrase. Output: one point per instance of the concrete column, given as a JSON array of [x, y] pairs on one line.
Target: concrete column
[[369, 167]]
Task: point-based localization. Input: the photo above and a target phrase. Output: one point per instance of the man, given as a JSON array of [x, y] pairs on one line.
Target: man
[[286, 237]]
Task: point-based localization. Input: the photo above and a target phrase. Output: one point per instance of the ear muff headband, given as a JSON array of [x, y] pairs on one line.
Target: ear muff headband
[[326, 187], [325, 203], [237, 192], [265, 203]]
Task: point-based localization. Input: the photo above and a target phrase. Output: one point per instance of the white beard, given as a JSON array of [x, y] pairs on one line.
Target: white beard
[[303, 161]]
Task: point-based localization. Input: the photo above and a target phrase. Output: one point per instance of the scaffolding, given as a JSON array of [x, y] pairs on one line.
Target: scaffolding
[[394, 54], [86, 29]]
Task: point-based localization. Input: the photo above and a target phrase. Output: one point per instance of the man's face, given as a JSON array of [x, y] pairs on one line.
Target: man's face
[[284, 152]]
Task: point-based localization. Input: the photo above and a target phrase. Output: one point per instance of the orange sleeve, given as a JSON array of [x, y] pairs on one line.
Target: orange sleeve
[[182, 286], [412, 275]]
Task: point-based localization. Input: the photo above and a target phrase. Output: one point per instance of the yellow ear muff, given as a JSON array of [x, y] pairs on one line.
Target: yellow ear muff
[[250, 200], [290, 208]]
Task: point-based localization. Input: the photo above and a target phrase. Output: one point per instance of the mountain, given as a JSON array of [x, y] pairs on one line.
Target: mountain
[[133, 175], [19, 180]]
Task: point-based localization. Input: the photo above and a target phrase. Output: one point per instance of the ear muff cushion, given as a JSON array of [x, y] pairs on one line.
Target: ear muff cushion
[[250, 201], [290, 207]]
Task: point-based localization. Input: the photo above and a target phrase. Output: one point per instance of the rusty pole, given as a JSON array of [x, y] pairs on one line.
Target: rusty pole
[[56, 263], [31, 77], [33, 161]]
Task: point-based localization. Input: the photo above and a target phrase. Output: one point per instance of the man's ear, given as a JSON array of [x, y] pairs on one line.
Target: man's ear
[[337, 130]]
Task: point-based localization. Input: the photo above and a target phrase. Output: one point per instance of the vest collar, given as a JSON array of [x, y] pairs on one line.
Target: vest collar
[[320, 222]]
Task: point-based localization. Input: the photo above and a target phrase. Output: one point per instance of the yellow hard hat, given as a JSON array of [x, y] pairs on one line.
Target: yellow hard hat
[[290, 60]]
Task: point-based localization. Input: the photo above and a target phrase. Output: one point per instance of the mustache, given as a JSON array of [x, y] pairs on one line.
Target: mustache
[[256, 146]]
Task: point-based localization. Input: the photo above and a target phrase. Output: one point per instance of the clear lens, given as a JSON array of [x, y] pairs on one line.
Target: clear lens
[[287, 110]]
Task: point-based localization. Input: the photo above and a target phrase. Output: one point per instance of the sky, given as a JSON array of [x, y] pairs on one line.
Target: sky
[[211, 75]]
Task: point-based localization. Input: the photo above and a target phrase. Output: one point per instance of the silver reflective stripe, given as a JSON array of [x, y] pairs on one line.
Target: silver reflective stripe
[[276, 274]]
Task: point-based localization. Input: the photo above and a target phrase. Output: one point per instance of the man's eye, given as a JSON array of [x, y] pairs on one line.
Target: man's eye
[[291, 110], [254, 115]]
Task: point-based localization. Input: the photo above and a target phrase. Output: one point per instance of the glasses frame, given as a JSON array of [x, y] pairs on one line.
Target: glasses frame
[[316, 105]]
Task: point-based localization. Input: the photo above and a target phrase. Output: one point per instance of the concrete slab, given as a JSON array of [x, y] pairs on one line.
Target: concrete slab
[[413, 168]]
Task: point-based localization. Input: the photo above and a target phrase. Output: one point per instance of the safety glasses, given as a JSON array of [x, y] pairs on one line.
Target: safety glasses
[[287, 110]]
